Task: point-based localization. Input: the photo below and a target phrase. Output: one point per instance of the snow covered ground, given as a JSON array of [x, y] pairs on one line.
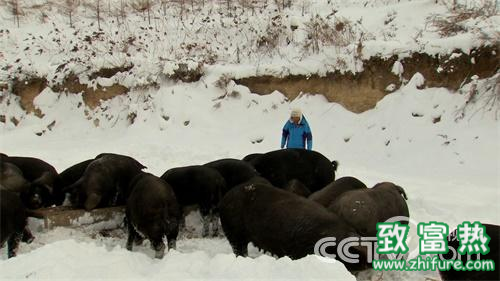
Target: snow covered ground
[[309, 37], [449, 169], [443, 151]]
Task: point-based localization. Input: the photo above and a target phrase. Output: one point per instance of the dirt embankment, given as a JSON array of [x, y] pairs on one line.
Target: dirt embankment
[[357, 92], [28, 89], [361, 91]]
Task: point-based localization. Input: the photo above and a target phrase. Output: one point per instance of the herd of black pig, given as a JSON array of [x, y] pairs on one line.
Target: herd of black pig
[[283, 201]]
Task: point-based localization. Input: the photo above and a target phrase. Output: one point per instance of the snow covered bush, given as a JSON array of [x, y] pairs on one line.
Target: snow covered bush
[[223, 81], [483, 96], [324, 32], [272, 37], [458, 21], [186, 71]]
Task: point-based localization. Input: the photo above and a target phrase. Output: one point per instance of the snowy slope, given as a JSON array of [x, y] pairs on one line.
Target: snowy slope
[[449, 169], [262, 40], [444, 150]]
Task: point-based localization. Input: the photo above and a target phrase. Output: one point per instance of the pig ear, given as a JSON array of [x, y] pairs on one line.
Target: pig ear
[[92, 201]]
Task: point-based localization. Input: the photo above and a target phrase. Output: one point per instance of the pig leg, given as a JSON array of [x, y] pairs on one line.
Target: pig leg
[[206, 226], [27, 236], [159, 248], [172, 241], [172, 233], [132, 236], [237, 241], [214, 221], [240, 248], [205, 215], [13, 244]]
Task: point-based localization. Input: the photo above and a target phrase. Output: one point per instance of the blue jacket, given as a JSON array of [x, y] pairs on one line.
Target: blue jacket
[[296, 136]]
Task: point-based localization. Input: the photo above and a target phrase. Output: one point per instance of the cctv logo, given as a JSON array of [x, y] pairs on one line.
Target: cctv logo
[[344, 253]]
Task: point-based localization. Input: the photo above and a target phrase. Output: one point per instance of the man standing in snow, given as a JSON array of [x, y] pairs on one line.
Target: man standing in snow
[[296, 132]]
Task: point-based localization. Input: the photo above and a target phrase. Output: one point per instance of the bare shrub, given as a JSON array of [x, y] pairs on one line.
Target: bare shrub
[[223, 81], [482, 96], [143, 6], [283, 4], [446, 26], [182, 7], [226, 5], [323, 32], [96, 7], [68, 8], [186, 73], [202, 52], [119, 11], [271, 38], [164, 5], [454, 24], [131, 117], [248, 5], [16, 8], [484, 7]]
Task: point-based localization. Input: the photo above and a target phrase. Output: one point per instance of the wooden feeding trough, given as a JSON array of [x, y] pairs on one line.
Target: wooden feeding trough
[[72, 217]]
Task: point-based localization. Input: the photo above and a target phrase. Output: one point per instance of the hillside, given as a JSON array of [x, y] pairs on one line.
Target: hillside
[[401, 91]]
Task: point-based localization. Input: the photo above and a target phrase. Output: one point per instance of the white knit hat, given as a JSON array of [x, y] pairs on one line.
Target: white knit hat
[[296, 112]]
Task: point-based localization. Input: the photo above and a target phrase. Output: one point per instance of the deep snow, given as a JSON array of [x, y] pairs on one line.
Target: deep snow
[[447, 162], [241, 42], [448, 169]]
